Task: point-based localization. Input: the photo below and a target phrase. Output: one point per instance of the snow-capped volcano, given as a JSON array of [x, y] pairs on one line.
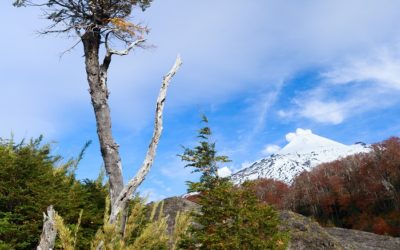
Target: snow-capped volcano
[[304, 151]]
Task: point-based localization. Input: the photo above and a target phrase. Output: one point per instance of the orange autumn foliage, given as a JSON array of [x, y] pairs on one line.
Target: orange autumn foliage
[[359, 192], [270, 191]]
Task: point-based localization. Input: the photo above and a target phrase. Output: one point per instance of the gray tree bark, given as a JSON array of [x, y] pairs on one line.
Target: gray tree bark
[[97, 79], [49, 231]]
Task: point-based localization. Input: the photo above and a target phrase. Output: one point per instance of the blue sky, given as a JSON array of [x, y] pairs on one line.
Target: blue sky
[[257, 69]]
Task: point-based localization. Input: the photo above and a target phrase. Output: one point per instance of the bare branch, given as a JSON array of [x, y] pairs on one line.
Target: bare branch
[[71, 48], [49, 233], [19, 3], [132, 185], [111, 51]]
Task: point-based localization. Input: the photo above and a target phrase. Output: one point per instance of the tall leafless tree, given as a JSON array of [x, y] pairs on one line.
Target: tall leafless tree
[[97, 23]]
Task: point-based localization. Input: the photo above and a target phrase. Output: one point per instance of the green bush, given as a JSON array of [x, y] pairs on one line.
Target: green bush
[[232, 218], [32, 179]]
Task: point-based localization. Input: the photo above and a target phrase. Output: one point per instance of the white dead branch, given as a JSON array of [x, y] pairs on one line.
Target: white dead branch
[[132, 185]]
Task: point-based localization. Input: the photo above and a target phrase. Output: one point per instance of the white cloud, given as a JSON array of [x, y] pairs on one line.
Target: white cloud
[[324, 112], [174, 169], [381, 68], [284, 113], [224, 172], [299, 131], [226, 48], [151, 194], [248, 45], [355, 86], [270, 149]]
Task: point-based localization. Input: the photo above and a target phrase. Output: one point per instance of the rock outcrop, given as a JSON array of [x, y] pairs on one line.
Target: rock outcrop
[[354, 239], [305, 233]]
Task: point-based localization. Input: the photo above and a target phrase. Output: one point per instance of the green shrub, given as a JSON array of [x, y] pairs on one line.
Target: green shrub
[[32, 179]]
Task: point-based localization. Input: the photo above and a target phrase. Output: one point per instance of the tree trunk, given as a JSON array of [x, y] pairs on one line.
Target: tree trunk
[[97, 79], [49, 231]]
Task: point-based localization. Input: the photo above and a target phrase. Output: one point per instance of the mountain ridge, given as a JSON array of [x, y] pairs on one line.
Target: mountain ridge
[[304, 151]]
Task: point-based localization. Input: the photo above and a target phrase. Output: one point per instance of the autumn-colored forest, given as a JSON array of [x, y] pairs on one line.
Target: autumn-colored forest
[[358, 192]]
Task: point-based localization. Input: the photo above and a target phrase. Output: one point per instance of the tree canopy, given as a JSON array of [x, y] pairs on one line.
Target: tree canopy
[[109, 18]]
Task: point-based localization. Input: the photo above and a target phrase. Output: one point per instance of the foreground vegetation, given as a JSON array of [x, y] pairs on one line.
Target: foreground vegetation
[[32, 179], [359, 192]]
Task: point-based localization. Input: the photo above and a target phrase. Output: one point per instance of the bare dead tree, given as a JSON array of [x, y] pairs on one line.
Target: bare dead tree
[[132, 185], [49, 231], [98, 23]]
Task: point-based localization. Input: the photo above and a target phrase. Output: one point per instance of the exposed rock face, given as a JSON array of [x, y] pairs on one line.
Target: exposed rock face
[[364, 240], [174, 204], [305, 233]]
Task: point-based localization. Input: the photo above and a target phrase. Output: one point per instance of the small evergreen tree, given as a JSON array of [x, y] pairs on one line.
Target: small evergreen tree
[[230, 217], [204, 159]]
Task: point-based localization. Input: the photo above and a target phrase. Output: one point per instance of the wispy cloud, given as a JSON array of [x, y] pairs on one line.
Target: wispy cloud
[[227, 48], [254, 119], [152, 194], [232, 51], [381, 68], [326, 112], [175, 169], [356, 86]]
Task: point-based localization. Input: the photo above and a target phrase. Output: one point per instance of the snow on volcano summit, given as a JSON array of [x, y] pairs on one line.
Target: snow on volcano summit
[[304, 141], [304, 151]]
